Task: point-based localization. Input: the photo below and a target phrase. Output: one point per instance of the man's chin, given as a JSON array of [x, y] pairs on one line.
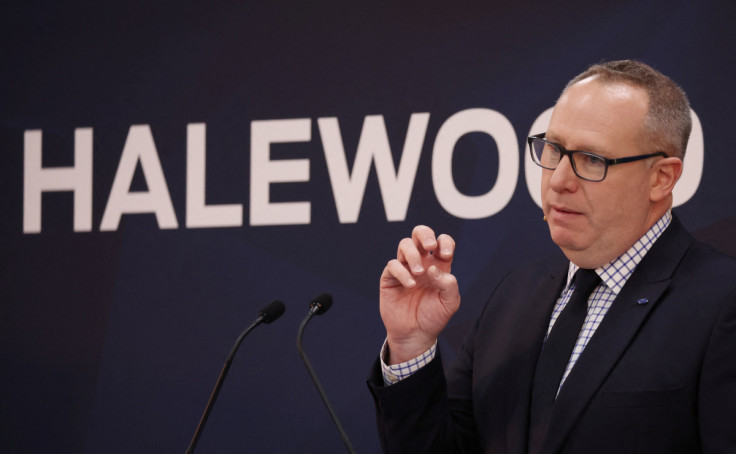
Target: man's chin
[[565, 238]]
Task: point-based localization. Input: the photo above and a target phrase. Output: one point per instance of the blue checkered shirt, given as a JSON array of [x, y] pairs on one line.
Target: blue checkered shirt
[[613, 277]]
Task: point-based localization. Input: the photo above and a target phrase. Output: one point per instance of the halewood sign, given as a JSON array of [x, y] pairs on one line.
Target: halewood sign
[[348, 186]]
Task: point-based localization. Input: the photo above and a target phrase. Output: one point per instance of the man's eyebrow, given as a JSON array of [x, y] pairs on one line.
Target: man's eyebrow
[[551, 137], [585, 147]]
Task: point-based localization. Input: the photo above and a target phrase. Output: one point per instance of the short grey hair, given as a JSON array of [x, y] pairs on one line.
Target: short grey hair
[[668, 122]]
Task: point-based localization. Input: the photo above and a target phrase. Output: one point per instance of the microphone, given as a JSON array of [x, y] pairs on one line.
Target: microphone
[[318, 306], [268, 314]]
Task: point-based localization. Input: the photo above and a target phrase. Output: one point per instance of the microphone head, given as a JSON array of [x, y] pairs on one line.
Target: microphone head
[[321, 303], [272, 311]]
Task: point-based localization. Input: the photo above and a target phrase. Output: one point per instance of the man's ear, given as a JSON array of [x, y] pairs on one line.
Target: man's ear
[[665, 174]]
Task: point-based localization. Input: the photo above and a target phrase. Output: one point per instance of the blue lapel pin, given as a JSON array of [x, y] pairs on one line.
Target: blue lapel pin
[[642, 301]]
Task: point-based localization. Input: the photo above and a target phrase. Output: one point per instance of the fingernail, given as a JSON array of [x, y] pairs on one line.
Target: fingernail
[[411, 282], [446, 251], [418, 269]]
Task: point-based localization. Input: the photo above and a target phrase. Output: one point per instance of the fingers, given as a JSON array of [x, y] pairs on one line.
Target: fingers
[[412, 251], [395, 270], [416, 254], [411, 255], [424, 238]]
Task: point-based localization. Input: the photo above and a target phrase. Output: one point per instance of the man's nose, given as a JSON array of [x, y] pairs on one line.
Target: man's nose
[[564, 177]]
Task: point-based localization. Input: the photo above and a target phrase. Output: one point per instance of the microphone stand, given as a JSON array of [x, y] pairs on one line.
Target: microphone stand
[[268, 314], [313, 310]]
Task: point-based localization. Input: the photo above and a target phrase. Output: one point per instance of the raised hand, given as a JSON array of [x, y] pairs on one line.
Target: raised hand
[[418, 294]]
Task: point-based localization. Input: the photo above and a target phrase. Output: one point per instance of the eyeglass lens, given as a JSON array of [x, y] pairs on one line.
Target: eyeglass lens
[[586, 165]]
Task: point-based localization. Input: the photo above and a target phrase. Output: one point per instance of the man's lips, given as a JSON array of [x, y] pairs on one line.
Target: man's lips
[[561, 210]]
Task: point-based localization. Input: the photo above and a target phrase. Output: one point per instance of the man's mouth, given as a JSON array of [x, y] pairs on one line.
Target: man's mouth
[[561, 210]]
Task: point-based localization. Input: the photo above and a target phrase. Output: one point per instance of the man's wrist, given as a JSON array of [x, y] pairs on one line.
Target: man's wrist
[[394, 373], [401, 351]]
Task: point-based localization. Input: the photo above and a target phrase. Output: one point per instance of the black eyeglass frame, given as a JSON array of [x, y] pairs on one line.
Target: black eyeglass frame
[[565, 152]]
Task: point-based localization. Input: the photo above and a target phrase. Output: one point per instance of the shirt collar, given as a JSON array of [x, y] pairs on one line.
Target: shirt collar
[[616, 273]]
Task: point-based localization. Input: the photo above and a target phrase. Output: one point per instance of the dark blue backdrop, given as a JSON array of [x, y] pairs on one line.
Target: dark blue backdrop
[[111, 341]]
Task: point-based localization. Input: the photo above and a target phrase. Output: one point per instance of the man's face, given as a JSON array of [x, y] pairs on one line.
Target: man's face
[[595, 222]]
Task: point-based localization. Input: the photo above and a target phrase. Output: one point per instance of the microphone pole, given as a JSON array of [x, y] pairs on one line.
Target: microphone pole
[[319, 305], [271, 312]]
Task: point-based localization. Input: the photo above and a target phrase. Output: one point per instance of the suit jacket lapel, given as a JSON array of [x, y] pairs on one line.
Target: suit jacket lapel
[[616, 331], [527, 343]]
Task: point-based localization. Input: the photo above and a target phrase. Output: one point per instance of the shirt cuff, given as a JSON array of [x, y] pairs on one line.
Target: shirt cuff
[[397, 372]]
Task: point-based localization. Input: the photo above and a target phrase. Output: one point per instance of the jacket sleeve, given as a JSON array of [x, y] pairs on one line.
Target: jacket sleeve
[[416, 416], [717, 400]]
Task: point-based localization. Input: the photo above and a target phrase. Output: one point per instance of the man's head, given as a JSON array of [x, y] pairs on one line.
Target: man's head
[[610, 110]]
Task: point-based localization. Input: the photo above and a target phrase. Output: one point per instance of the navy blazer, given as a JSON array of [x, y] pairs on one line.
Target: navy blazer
[[658, 376]]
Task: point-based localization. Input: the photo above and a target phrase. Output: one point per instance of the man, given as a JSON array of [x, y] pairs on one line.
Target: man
[[651, 363]]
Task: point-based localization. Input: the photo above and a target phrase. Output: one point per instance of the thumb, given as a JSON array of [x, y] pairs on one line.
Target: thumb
[[446, 285]]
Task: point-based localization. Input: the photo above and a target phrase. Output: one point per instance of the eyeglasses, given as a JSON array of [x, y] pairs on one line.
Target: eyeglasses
[[588, 166]]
